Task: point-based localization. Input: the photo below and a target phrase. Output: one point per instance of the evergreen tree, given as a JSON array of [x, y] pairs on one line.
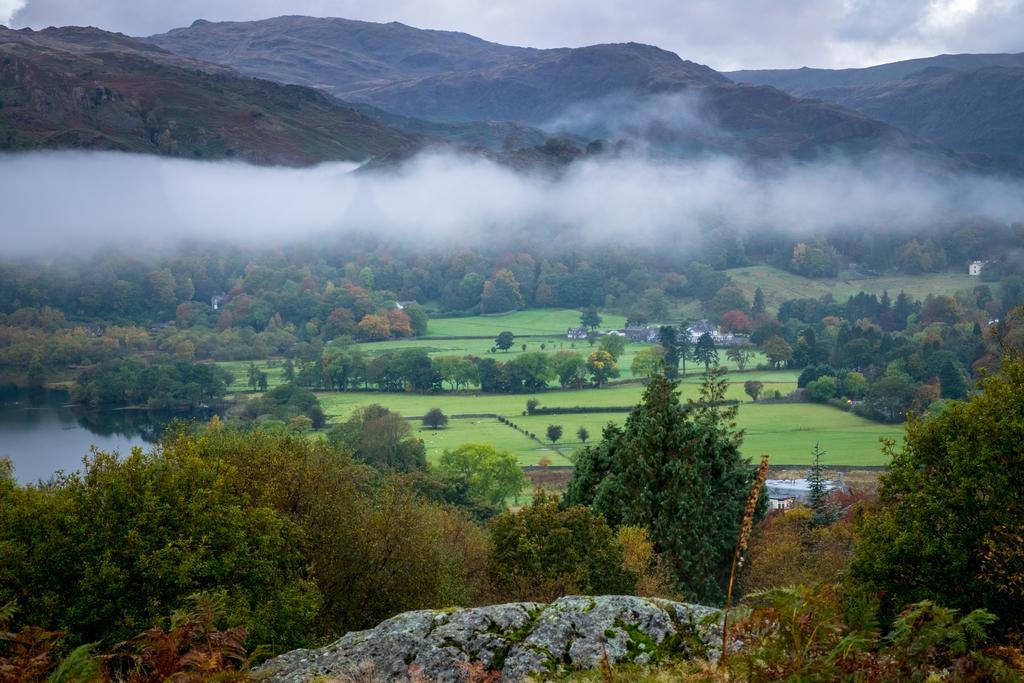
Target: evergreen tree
[[758, 307], [669, 339], [683, 349], [824, 513], [678, 472], [705, 351], [901, 310]]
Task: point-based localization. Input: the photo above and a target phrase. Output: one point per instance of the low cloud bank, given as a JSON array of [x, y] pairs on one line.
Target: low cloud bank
[[78, 202]]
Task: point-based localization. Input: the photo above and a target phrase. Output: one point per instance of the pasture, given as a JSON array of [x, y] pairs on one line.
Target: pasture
[[785, 431], [340, 404], [239, 369], [537, 321], [779, 285]]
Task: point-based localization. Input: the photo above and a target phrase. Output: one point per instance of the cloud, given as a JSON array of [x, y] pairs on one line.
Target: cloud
[[726, 34], [78, 202], [8, 8]]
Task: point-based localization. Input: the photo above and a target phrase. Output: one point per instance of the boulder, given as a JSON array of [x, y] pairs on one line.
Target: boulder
[[519, 640]]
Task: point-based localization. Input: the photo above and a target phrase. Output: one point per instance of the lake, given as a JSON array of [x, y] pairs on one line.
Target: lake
[[42, 434]]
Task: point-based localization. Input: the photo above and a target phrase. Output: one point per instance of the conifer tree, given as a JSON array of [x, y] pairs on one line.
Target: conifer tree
[[677, 471], [758, 308], [824, 513]]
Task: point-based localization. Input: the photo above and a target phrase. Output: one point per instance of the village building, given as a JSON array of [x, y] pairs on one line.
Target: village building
[[642, 334], [576, 333], [783, 494], [975, 267]]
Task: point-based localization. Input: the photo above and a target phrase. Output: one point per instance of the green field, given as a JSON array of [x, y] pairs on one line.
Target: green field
[[487, 431], [554, 321], [482, 349], [779, 285], [785, 431], [240, 370], [339, 405]]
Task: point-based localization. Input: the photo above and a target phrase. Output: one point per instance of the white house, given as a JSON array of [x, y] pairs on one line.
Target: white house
[[974, 269], [785, 493]]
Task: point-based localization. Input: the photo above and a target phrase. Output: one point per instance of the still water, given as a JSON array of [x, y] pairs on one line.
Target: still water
[[42, 434]]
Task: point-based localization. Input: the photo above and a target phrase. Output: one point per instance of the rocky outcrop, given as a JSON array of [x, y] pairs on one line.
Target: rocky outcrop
[[517, 639]]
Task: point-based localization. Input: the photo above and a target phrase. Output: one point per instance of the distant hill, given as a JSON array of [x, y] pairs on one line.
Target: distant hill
[[83, 88], [973, 104], [805, 81], [456, 78]]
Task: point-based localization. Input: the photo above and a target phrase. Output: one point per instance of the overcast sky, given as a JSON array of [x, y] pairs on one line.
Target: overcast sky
[[725, 34]]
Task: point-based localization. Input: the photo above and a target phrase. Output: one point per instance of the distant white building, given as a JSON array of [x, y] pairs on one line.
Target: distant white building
[[783, 494], [975, 268]]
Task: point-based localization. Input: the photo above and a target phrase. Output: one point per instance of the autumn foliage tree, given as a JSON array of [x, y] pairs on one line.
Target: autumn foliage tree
[[735, 321], [374, 327]]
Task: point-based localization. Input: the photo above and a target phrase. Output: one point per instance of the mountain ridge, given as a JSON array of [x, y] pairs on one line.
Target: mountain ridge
[[416, 73], [84, 88], [972, 104]]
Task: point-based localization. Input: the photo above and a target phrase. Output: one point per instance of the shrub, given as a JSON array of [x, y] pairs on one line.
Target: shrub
[[543, 552]]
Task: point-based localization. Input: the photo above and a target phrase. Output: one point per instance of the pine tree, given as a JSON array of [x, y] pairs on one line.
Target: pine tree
[[824, 512], [669, 339], [705, 351], [758, 308], [678, 472]]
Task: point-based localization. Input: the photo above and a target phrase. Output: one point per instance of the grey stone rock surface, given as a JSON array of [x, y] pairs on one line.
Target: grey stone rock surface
[[520, 640]]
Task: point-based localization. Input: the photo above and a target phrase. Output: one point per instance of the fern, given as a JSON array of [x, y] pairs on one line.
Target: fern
[[7, 613], [78, 667]]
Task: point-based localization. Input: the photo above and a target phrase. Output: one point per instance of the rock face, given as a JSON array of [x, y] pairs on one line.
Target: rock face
[[517, 639]]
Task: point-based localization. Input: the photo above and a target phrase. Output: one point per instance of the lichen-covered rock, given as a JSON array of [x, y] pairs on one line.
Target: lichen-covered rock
[[517, 639]]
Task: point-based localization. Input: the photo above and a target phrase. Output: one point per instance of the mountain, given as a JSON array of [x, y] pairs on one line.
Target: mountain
[[806, 81], [973, 104], [439, 75], [83, 88], [456, 78]]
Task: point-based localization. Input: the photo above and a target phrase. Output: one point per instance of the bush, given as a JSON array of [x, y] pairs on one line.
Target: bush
[[543, 552], [435, 419], [276, 521], [951, 518]]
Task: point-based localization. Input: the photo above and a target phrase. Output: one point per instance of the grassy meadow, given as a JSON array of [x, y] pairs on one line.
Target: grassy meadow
[[779, 285], [786, 431], [553, 321]]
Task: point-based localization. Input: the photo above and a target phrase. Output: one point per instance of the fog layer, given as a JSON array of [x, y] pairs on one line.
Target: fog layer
[[79, 202]]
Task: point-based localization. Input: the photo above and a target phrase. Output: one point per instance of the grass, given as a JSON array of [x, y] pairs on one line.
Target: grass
[[487, 431], [240, 370], [785, 431], [554, 321], [779, 285], [340, 405], [482, 348]]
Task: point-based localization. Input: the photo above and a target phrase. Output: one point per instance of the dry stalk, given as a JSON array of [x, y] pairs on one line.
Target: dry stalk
[[741, 545]]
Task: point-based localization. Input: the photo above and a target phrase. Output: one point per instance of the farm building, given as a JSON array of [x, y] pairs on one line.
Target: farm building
[[975, 267], [641, 334], [576, 333], [783, 494], [695, 329]]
